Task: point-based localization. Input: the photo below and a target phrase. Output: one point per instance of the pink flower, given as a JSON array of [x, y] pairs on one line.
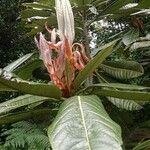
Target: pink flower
[[63, 58]]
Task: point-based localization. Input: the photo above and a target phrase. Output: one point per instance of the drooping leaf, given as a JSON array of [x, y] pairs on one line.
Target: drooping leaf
[[41, 89], [11, 118], [120, 86], [125, 104], [20, 101], [18, 62], [123, 69], [121, 94], [120, 103], [105, 51], [82, 123]]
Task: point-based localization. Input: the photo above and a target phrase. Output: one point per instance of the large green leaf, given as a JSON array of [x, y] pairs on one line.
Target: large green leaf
[[9, 81], [20, 101], [105, 51], [18, 62], [83, 124], [123, 69]]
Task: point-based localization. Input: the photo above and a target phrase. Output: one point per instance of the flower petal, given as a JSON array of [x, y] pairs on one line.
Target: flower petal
[[79, 47], [52, 32], [65, 20], [67, 48], [78, 62]]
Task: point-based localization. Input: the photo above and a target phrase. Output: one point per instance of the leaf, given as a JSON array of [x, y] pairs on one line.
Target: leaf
[[20, 101], [5, 88], [37, 25], [143, 146], [37, 5], [82, 123], [123, 69], [47, 2], [40, 89], [130, 36], [26, 135], [105, 51], [120, 103], [25, 71], [122, 94], [28, 13], [18, 62], [18, 116], [115, 6], [125, 104], [142, 44], [120, 86]]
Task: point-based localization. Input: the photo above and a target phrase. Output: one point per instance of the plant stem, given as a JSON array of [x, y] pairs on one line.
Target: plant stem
[[87, 41], [85, 32]]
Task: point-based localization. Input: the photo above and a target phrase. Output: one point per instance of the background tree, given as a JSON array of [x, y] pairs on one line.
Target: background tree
[[13, 39]]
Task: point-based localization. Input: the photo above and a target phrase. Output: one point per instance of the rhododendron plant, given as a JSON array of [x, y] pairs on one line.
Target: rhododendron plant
[[82, 122], [68, 57]]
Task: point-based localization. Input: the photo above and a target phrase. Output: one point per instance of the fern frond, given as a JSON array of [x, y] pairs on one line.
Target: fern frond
[[25, 134]]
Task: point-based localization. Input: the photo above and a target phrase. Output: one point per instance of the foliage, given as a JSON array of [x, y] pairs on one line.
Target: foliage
[[86, 122], [12, 37], [25, 135], [97, 87]]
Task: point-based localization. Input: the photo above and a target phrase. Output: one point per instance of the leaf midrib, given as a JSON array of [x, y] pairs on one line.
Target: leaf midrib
[[83, 121]]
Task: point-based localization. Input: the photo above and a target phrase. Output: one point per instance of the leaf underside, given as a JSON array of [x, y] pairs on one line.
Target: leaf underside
[[83, 124]]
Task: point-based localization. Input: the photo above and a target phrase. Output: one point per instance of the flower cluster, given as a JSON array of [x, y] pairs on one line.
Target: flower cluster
[[62, 58]]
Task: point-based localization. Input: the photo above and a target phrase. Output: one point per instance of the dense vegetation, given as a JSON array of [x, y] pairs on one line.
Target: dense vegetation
[[105, 95]]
